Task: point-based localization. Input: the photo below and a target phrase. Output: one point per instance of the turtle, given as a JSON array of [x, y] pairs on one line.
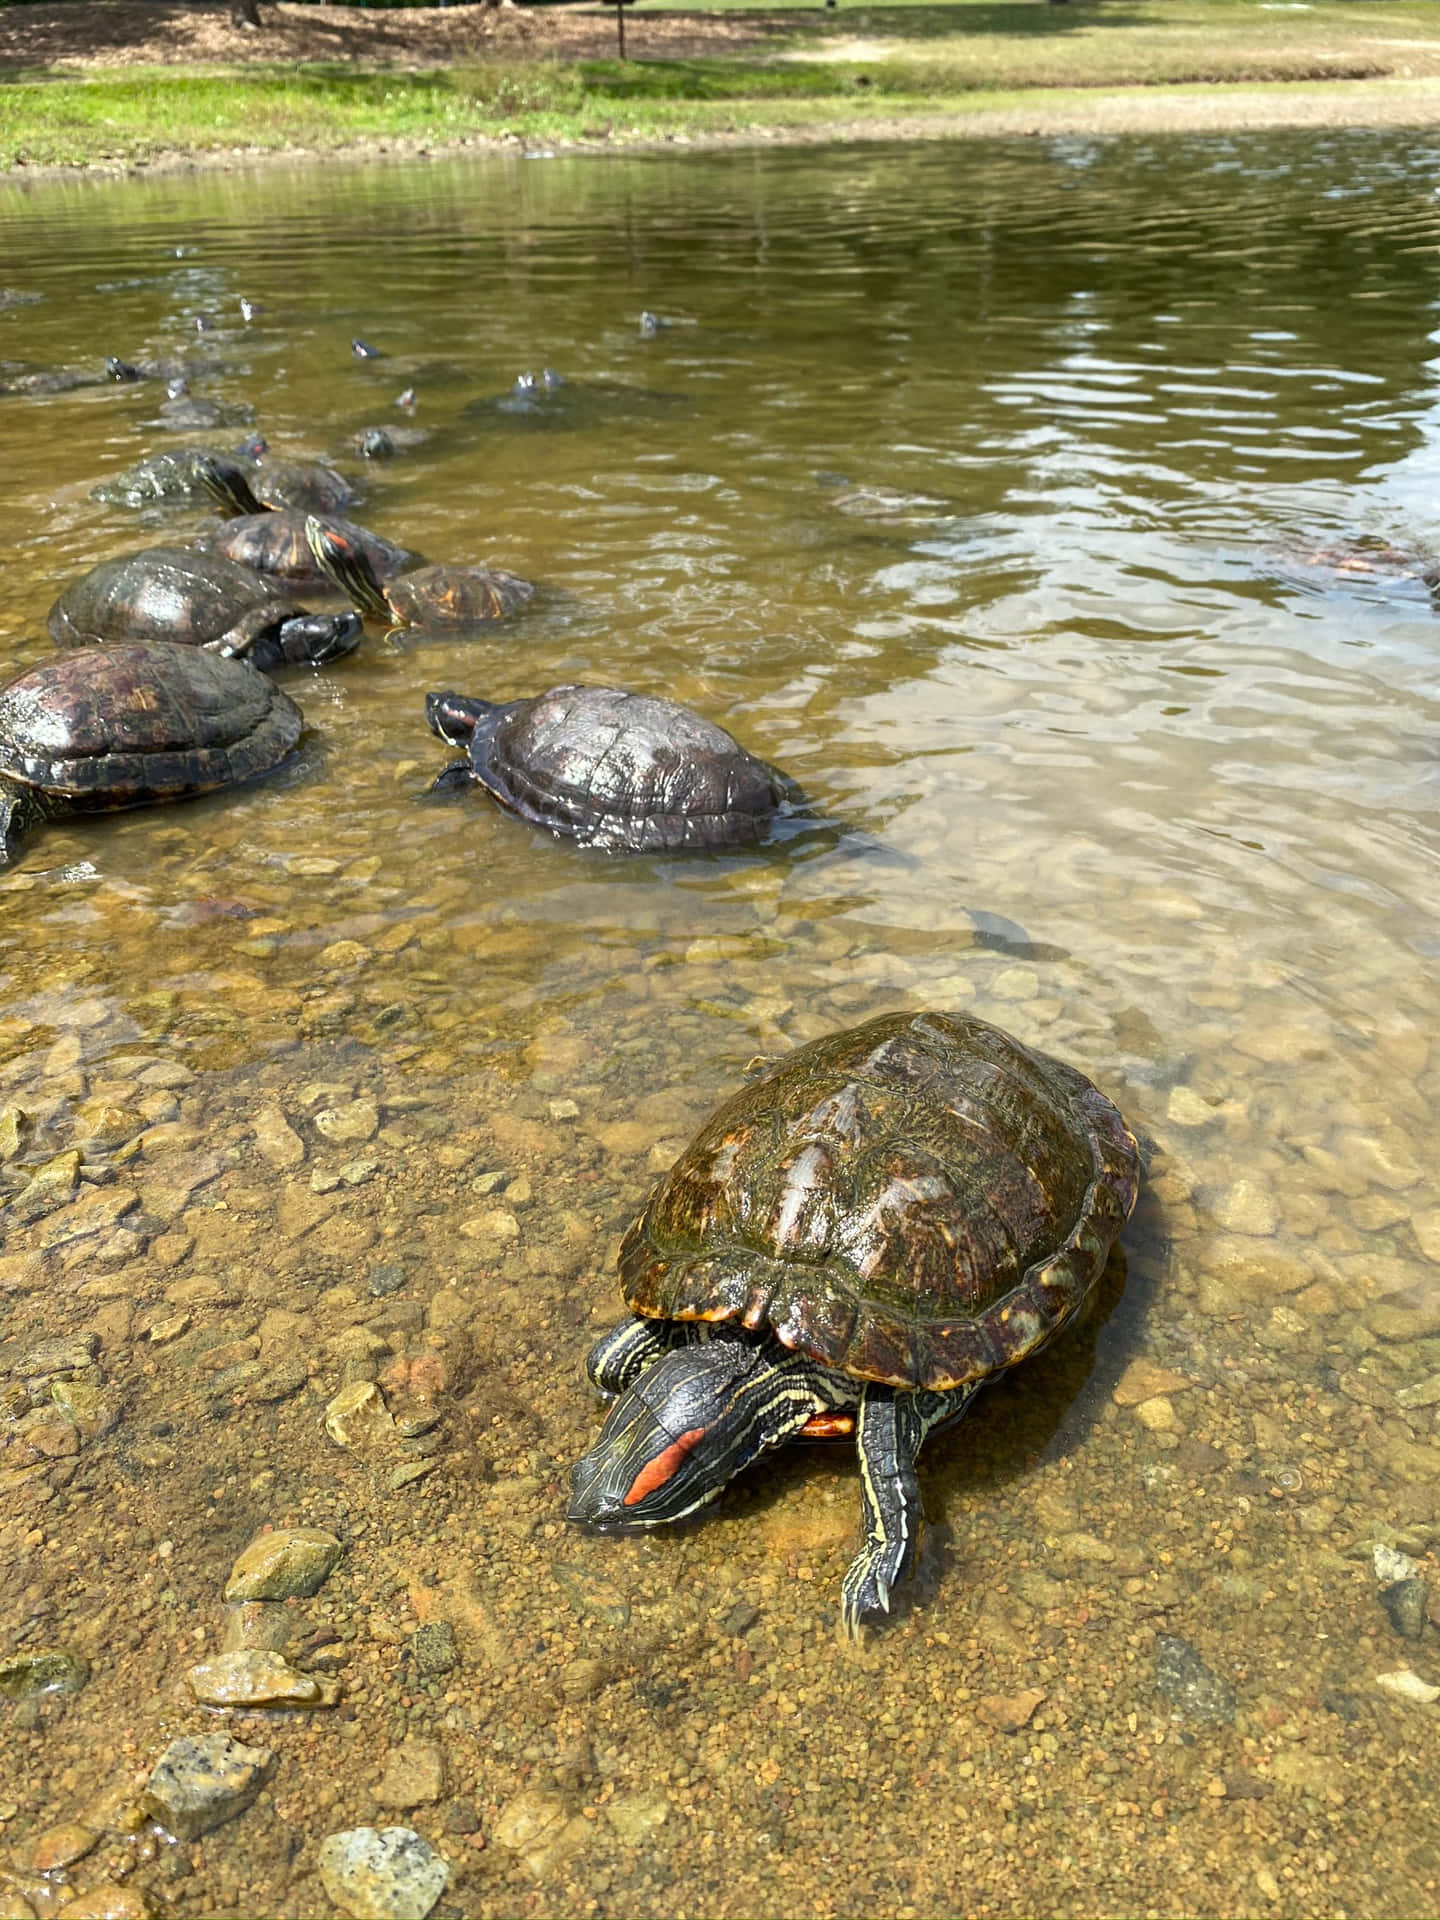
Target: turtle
[[852, 1244], [622, 771], [1366, 559], [133, 724], [171, 478], [199, 600], [437, 597], [274, 541]]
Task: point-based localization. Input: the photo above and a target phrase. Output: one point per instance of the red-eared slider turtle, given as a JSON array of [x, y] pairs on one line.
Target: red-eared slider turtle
[[611, 769], [198, 600], [275, 542], [173, 478], [126, 726], [447, 598], [870, 1230]]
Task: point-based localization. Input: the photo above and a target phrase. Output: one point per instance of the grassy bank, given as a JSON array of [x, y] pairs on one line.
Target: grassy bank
[[851, 67]]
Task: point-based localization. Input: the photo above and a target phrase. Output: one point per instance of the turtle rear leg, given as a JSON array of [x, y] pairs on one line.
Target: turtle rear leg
[[890, 1429]]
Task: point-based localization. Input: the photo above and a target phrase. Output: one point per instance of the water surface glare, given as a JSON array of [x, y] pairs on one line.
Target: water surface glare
[[991, 491]]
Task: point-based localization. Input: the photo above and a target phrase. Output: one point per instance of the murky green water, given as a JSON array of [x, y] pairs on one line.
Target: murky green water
[[364, 1087]]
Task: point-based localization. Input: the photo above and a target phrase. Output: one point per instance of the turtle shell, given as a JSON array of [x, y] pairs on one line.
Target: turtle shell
[[275, 543], [623, 771], [309, 486], [162, 593], [920, 1201], [168, 477], [123, 725], [454, 597]]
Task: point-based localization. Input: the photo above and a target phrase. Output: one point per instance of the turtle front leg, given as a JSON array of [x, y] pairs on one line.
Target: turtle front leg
[[622, 1355], [890, 1429], [20, 810]]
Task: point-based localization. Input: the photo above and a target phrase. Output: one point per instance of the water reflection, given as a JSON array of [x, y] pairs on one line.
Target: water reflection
[[333, 1087]]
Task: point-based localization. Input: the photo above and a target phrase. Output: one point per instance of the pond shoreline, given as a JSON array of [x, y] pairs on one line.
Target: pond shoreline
[[1047, 113]]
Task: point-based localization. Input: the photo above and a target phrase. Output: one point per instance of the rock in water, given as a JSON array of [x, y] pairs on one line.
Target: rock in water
[[391, 1874], [198, 1783], [1187, 1683], [291, 1563]]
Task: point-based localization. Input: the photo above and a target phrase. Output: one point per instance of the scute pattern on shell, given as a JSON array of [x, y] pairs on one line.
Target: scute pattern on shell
[[160, 593], [121, 725], [456, 596], [920, 1201], [624, 770], [275, 543]]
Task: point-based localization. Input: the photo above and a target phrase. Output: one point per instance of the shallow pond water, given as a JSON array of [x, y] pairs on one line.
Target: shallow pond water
[[996, 494]]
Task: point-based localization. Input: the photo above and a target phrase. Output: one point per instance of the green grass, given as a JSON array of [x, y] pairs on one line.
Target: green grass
[[846, 65]]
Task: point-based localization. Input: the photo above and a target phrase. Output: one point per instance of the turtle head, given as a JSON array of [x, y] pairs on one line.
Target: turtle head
[[454, 716], [315, 639], [346, 566], [225, 482], [679, 1432]]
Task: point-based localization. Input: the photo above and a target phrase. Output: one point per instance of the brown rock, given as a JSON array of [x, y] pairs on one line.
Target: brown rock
[[1008, 1712], [1144, 1380], [108, 1901]]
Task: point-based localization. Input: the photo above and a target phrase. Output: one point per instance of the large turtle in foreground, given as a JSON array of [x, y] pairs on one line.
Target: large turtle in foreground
[[623, 771], [130, 725], [198, 600], [859, 1239]]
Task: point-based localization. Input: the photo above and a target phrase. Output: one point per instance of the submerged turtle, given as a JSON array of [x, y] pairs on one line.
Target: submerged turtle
[[622, 771], [173, 477], [126, 726], [856, 1241], [444, 597], [1367, 558], [274, 541], [198, 600]]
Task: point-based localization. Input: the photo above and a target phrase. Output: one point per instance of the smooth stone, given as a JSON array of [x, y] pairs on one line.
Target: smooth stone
[[41, 1670], [357, 1120], [636, 1816], [1009, 1712], [389, 1874], [1144, 1380], [1016, 983], [1247, 1208], [277, 1140], [108, 1901], [1426, 1228], [57, 1847], [14, 1132], [257, 1678], [1407, 1685], [414, 1775], [201, 1781], [266, 1625], [1185, 1108], [292, 1563]]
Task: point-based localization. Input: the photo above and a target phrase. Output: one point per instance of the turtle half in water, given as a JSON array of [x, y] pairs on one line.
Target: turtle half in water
[[447, 598], [622, 771], [172, 478], [274, 541], [853, 1244], [132, 725], [198, 600]]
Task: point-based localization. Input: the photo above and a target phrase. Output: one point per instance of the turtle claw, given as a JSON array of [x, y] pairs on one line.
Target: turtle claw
[[869, 1581]]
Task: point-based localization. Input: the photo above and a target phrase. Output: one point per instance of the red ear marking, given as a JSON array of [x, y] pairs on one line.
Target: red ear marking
[[657, 1471]]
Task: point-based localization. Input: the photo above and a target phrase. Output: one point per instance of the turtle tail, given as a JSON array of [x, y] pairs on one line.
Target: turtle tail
[[227, 486], [346, 567]]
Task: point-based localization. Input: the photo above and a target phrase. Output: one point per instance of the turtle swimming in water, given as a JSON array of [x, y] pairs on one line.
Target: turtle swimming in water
[[199, 600], [172, 478], [856, 1241], [448, 598], [623, 771], [130, 726], [274, 541]]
